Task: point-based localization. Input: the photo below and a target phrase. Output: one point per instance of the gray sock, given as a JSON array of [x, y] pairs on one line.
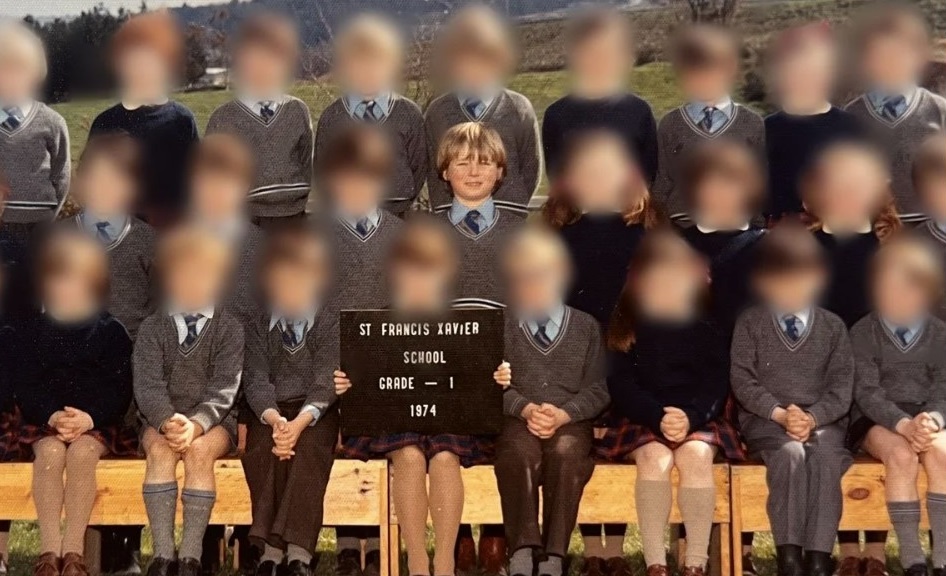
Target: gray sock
[[294, 553], [272, 554], [198, 504], [552, 565], [521, 562], [372, 544], [905, 517], [161, 506], [936, 506]]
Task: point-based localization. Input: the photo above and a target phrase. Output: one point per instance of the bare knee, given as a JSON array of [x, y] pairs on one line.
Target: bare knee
[[694, 458], [654, 461], [902, 461], [161, 458], [934, 460], [200, 456]]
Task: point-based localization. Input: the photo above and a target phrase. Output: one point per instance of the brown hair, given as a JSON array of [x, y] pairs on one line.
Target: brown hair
[[703, 46], [659, 247], [788, 248], [361, 148], [370, 35], [191, 241], [272, 32], [119, 149], [158, 31], [224, 155], [791, 39], [595, 21], [893, 19], [424, 243], [731, 160], [930, 162], [471, 139], [559, 210], [61, 253], [479, 31], [885, 220], [287, 247], [919, 259]]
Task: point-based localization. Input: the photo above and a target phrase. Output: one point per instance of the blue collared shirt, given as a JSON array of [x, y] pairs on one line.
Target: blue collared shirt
[[802, 321], [487, 210], [374, 218], [722, 114], [485, 100], [357, 105], [877, 99], [912, 331], [181, 324], [116, 225], [24, 108], [556, 318], [256, 105]]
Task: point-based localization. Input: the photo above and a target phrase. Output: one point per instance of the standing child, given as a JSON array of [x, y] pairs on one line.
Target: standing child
[[803, 72], [894, 49], [600, 55], [274, 125], [147, 56], [291, 353], [669, 380], [900, 392], [929, 181], [187, 364], [369, 57], [73, 381], [793, 374], [34, 139], [478, 55], [558, 356], [706, 61]]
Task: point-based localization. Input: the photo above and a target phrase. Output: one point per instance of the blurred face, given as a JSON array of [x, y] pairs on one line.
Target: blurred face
[[791, 292], [671, 289], [195, 282], [18, 81], [294, 289], [710, 84], [71, 294], [105, 189], [721, 200], [602, 61], [472, 178], [420, 289], [356, 193], [475, 74], [217, 197], [933, 192], [262, 72], [805, 77], [370, 74], [898, 297], [893, 63], [537, 278], [850, 187], [143, 73], [600, 176]]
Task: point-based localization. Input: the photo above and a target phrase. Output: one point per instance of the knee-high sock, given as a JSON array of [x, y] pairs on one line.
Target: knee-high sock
[[936, 506], [198, 504], [446, 508], [697, 506], [905, 517], [48, 491], [654, 500], [81, 459], [161, 506]]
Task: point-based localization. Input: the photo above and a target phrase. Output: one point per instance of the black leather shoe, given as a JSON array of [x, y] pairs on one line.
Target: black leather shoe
[[348, 563], [789, 560], [267, 568], [917, 570], [818, 564], [298, 568], [162, 567], [189, 567], [372, 563]]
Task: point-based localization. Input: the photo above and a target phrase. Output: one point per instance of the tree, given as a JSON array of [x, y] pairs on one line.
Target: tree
[[714, 11], [195, 54]]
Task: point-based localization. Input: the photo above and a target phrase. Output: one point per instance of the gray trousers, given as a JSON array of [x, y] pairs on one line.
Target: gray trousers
[[804, 480]]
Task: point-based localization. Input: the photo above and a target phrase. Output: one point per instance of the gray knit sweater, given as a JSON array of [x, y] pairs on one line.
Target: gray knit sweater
[[937, 239], [768, 371], [405, 126], [892, 377], [512, 116], [282, 150], [570, 375], [243, 300], [360, 264], [34, 159], [678, 136]]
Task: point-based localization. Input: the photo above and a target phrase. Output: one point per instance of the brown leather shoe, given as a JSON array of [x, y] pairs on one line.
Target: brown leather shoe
[[658, 570], [618, 566], [47, 564], [74, 565], [874, 567], [594, 566], [466, 555], [493, 554], [694, 571], [849, 566]]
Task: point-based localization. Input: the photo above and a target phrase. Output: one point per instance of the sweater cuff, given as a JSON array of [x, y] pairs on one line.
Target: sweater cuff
[[573, 411], [890, 421], [205, 421], [516, 407], [313, 411], [938, 417]]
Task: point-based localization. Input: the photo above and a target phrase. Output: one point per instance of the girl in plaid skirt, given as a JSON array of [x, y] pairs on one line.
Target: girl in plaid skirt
[[669, 381], [423, 266]]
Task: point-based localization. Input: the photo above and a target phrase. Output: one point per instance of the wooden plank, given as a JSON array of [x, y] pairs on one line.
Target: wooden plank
[[864, 497], [356, 494]]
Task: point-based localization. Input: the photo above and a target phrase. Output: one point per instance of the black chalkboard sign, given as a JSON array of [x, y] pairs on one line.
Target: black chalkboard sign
[[421, 374]]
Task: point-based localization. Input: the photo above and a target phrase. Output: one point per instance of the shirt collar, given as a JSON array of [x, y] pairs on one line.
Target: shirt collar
[[206, 311], [877, 97], [374, 216], [458, 211], [803, 316], [695, 109], [116, 223], [384, 100], [25, 109], [276, 317], [556, 317], [709, 230], [912, 329], [254, 103], [485, 96]]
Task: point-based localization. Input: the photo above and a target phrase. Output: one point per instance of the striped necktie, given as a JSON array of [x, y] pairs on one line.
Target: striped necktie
[[191, 321], [540, 336], [791, 327], [370, 111], [892, 108], [14, 118], [363, 226], [474, 107], [472, 221], [101, 229], [292, 332], [266, 110], [901, 334], [707, 123]]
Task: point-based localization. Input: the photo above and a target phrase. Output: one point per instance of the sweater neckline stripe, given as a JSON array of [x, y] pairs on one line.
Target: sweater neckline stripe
[[26, 122]]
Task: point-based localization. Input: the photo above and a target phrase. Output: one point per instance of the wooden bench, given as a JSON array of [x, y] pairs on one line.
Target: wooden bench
[[608, 499], [865, 504]]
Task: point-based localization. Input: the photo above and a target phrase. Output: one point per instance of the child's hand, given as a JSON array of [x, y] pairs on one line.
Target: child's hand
[[185, 432], [241, 438], [675, 425], [923, 431], [285, 440], [503, 375], [558, 416], [538, 422], [70, 423], [342, 383], [798, 423], [906, 427], [926, 421]]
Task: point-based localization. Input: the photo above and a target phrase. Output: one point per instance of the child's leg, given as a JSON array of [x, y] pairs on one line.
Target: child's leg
[[410, 499], [200, 488], [446, 508], [81, 458], [160, 491], [654, 499], [934, 460], [518, 473], [696, 498], [827, 461], [48, 491]]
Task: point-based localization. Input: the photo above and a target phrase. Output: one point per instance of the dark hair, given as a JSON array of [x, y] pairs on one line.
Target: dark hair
[[119, 149], [158, 31], [56, 258], [594, 21], [703, 46], [426, 243], [272, 32], [225, 155], [729, 159], [361, 148], [789, 247]]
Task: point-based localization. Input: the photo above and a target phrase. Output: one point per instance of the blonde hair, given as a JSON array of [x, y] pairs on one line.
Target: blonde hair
[[370, 35], [535, 241], [917, 258], [19, 42], [482, 32], [470, 139], [189, 243]]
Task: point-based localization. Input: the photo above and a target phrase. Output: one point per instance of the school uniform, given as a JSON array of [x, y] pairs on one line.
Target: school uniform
[[86, 365], [683, 365], [684, 129], [288, 368], [935, 233], [560, 361], [849, 261], [18, 298], [511, 115], [278, 132], [402, 120], [360, 247], [248, 242], [803, 358], [9, 413], [189, 363], [898, 124]]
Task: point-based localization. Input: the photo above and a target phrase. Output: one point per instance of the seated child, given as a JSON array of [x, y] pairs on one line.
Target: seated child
[[601, 53], [793, 374], [706, 61], [187, 364], [9, 413], [291, 353], [669, 381], [34, 139], [369, 57], [929, 181], [478, 55], [558, 357], [73, 382], [106, 186], [900, 391], [275, 126]]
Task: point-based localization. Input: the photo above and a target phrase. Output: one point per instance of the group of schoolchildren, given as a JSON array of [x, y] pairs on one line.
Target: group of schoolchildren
[[711, 286]]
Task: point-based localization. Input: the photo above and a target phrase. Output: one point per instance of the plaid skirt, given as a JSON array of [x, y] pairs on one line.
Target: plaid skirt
[[9, 436], [120, 441], [621, 440], [472, 450]]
